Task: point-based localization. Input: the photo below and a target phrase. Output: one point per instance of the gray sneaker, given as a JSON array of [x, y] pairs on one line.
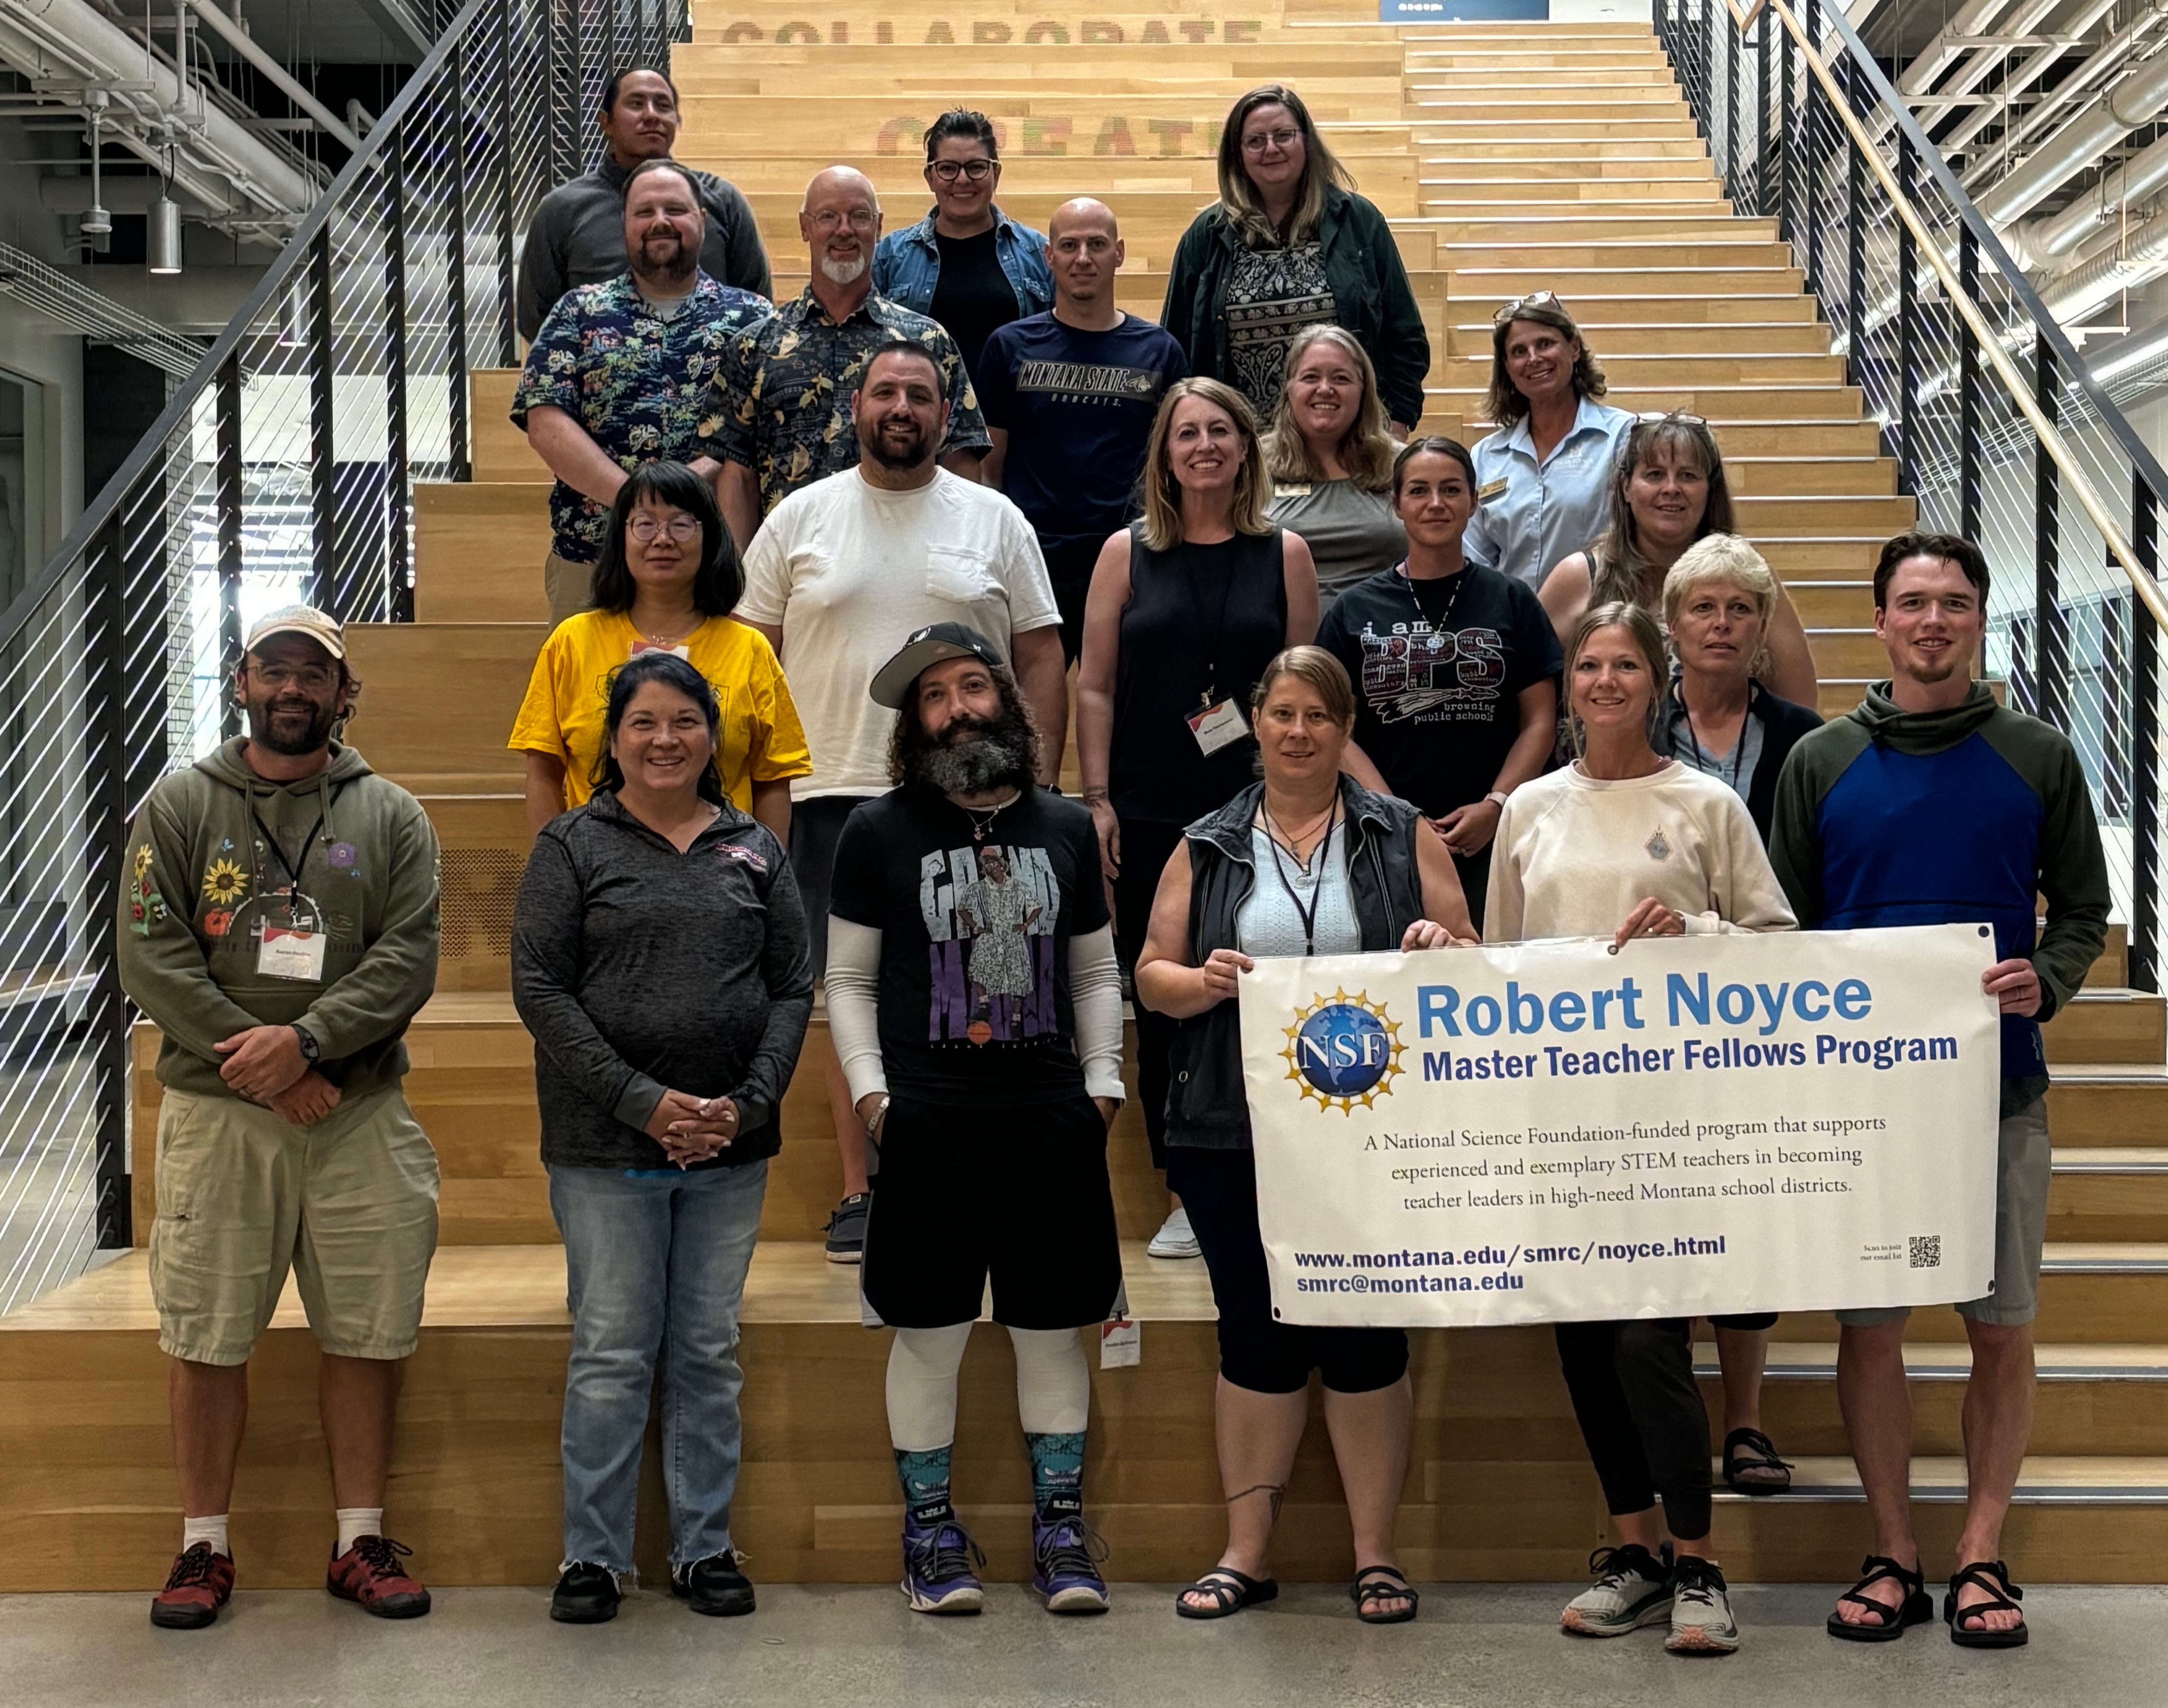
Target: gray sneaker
[[1700, 1611], [1632, 1589], [847, 1229]]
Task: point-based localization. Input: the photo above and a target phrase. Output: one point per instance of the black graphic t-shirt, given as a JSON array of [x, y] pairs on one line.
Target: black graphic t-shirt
[[974, 993], [1439, 667]]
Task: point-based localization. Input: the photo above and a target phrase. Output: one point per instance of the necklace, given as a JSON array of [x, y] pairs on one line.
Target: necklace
[[1738, 747], [1278, 835], [666, 642], [981, 825], [1460, 580], [1308, 915]]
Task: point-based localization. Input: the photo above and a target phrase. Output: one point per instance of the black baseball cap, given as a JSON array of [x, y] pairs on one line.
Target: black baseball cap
[[894, 681]]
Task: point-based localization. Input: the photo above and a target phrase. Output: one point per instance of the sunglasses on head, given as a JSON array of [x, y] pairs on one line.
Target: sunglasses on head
[[1651, 418], [1534, 299]]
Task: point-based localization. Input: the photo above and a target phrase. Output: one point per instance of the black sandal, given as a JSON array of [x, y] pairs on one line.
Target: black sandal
[[1375, 1583], [2003, 1596], [1230, 1593], [1749, 1449], [1890, 1622]]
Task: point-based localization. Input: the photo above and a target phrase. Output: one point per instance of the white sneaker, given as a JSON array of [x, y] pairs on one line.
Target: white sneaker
[[1176, 1238], [1701, 1623]]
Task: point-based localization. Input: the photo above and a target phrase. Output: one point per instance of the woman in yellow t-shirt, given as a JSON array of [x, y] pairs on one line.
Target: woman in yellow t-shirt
[[668, 578]]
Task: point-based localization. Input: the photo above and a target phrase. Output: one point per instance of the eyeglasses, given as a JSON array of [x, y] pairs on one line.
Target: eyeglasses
[[1262, 140], [680, 528], [314, 678], [858, 220], [1534, 299], [948, 171], [1652, 418]]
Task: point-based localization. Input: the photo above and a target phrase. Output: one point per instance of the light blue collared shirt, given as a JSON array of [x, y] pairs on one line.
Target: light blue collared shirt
[[1547, 512]]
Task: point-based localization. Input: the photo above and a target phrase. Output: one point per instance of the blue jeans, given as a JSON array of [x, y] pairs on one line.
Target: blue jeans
[[655, 1268]]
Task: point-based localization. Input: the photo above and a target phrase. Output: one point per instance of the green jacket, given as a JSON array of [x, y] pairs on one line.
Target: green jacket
[[1371, 297], [192, 902]]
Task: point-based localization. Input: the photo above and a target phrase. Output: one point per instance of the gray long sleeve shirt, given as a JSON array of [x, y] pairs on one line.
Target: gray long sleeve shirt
[[578, 237], [639, 969]]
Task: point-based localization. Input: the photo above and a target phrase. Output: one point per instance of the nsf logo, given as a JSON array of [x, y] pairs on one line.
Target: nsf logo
[[1342, 1050]]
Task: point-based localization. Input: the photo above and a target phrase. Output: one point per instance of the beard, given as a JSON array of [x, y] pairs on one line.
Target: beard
[[842, 272], [889, 454], [974, 754], [671, 267], [264, 729]]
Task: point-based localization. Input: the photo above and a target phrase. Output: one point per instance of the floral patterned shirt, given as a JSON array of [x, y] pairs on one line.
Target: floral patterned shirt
[[782, 402], [637, 381]]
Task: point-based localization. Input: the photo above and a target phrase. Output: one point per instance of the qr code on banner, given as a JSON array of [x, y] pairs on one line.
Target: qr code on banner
[[1927, 1251]]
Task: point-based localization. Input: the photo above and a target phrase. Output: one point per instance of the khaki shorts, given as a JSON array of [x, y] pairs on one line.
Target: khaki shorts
[[350, 1205], [567, 586], [2024, 1166]]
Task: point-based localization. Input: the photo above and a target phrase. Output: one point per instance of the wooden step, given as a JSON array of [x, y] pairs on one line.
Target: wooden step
[[1661, 273], [475, 543], [1713, 402], [1751, 340], [402, 727], [2108, 1025], [2109, 1105], [1563, 167]]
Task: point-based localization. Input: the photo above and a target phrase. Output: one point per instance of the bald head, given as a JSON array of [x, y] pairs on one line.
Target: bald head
[[1084, 251], [840, 222]]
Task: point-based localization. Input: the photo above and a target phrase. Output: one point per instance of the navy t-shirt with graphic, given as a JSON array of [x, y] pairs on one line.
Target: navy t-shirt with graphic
[[1439, 667], [1077, 406], [974, 990]]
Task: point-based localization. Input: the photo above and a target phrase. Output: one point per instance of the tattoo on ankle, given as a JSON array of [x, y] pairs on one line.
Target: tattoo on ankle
[[1277, 1491]]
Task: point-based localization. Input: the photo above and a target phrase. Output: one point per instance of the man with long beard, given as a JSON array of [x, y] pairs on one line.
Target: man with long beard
[[841, 567], [990, 1120], [278, 922], [620, 373], [780, 415]]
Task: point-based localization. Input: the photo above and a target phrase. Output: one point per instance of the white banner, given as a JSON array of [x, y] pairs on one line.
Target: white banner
[[1550, 1132]]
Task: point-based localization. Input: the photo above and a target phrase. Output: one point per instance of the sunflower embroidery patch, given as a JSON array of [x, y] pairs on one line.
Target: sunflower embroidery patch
[[225, 882]]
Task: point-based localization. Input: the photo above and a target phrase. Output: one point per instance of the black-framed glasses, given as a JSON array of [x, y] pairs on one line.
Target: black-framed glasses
[[948, 171], [1534, 299]]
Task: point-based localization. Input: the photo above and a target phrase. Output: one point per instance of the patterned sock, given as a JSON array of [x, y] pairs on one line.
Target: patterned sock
[[924, 1475], [1057, 1474]]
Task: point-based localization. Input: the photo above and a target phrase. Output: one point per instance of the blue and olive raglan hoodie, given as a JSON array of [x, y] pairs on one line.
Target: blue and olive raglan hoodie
[[1894, 817]]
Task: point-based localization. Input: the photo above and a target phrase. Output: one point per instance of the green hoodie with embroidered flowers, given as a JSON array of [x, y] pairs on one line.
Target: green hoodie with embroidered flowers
[[209, 856]]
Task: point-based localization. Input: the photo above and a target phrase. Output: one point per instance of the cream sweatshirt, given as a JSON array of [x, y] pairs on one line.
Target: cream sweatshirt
[[1574, 855]]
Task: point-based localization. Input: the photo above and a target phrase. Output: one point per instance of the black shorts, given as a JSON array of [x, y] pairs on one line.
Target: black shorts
[[1018, 1191], [816, 825]]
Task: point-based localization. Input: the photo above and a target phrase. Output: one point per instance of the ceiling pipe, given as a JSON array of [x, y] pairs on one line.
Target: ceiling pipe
[[2142, 258], [2027, 72], [2088, 71], [2137, 178], [2131, 103], [243, 44], [1972, 18]]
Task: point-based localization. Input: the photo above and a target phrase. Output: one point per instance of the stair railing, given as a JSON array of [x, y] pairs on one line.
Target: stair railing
[[1997, 428], [283, 468]]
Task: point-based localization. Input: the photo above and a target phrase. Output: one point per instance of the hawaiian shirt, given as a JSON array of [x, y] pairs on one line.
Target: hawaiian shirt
[[782, 406], [635, 381]]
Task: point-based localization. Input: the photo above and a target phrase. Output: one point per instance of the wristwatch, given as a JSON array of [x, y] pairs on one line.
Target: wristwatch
[[312, 1052]]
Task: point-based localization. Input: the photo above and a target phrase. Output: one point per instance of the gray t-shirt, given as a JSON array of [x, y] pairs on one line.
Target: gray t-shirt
[[1352, 534], [1734, 766]]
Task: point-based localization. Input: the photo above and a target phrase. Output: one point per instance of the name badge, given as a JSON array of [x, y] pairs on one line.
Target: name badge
[[284, 953], [1490, 490], [1218, 727], [1291, 489]]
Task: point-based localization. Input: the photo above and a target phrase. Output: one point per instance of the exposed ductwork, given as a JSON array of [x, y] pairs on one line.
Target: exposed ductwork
[[1950, 43], [2132, 181], [243, 43], [2142, 257], [2131, 103], [2036, 65]]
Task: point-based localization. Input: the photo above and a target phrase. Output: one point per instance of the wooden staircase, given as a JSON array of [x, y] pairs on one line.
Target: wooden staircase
[[1509, 158]]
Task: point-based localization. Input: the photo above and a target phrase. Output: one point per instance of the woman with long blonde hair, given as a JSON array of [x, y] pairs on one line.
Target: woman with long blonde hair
[[1188, 606], [1331, 461]]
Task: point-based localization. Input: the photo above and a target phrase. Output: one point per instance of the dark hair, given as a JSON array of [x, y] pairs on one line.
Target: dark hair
[[1505, 405], [904, 347], [672, 673], [664, 163], [962, 121], [720, 583], [617, 77], [1618, 567], [909, 739], [1953, 548], [1433, 445]]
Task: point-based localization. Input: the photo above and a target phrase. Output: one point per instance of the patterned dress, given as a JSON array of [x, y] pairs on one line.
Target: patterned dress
[[1272, 295]]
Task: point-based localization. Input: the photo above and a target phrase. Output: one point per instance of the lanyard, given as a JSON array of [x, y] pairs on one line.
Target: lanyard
[[1282, 859], [1445, 617], [1219, 635], [295, 894], [1738, 750]]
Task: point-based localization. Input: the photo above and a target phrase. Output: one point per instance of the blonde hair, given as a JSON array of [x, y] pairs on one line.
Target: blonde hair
[[1724, 559], [1238, 197], [1366, 450], [1320, 670], [1162, 516], [1648, 640]]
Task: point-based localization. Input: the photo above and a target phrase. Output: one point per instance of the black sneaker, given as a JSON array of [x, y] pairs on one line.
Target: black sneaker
[[847, 1229], [586, 1594], [713, 1585]]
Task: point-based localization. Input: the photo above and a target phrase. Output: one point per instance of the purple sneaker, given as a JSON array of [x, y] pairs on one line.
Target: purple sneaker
[[937, 1559], [1066, 1554]]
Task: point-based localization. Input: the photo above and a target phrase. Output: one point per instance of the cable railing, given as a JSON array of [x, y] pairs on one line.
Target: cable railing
[[284, 468], [1998, 431]]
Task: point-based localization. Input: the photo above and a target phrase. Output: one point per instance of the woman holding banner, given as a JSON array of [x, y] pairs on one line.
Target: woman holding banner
[[1626, 844], [1306, 862]]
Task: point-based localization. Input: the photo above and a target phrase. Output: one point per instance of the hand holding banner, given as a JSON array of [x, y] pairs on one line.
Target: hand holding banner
[[1550, 1132]]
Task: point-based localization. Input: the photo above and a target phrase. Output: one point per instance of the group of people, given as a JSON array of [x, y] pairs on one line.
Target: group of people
[[820, 573]]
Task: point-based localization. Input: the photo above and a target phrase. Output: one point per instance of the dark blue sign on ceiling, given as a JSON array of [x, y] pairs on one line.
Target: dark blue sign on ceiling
[[1463, 10]]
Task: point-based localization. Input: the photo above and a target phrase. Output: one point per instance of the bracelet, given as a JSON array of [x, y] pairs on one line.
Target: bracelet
[[1497, 796], [880, 1115], [1092, 797]]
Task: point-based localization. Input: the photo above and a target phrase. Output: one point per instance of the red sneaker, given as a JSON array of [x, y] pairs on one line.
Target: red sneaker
[[195, 1589], [369, 1573]]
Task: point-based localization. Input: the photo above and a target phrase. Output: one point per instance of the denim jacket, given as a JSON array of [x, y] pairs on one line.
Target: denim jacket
[[907, 265], [1207, 1106]]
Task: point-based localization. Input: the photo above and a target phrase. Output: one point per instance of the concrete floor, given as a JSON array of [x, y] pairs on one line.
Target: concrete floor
[[825, 1646]]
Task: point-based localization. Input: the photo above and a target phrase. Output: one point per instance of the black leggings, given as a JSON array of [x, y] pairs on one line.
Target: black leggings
[[1640, 1411], [1146, 847]]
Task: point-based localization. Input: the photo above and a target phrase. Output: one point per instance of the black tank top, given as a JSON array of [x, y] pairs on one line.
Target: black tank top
[[1201, 623]]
